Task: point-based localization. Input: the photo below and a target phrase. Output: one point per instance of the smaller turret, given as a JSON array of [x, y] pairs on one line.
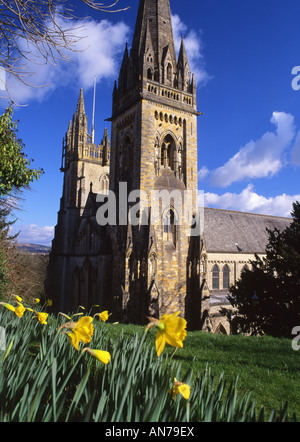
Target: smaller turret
[[105, 149], [183, 69]]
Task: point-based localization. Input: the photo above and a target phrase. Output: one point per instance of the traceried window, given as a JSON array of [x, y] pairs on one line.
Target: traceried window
[[215, 278], [104, 184], [169, 72], [168, 149]]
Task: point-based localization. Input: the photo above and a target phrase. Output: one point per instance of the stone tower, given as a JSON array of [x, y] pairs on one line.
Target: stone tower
[[85, 166], [144, 259], [154, 152]]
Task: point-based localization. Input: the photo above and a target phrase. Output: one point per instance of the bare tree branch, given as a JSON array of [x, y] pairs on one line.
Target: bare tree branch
[[31, 31]]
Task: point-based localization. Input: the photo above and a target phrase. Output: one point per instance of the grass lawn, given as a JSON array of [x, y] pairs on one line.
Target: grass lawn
[[267, 366]]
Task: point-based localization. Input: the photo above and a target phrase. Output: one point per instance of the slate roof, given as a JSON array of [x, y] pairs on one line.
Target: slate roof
[[227, 231]]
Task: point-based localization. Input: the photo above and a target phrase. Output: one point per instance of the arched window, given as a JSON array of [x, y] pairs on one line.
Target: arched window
[[215, 277], [169, 226], [169, 72], [226, 277], [149, 74], [104, 184]]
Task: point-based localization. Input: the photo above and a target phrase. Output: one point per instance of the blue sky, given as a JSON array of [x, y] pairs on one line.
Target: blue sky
[[242, 54]]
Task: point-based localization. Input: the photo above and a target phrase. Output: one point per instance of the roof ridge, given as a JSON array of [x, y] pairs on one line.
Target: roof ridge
[[248, 213]]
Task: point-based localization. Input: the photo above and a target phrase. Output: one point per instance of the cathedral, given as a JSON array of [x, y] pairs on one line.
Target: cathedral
[[130, 237]]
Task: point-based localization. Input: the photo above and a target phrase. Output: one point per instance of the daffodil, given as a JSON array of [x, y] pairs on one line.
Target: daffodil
[[49, 303], [42, 317], [18, 298], [101, 355], [8, 306], [81, 331], [182, 388], [37, 300], [19, 311], [171, 329], [64, 315], [103, 316]]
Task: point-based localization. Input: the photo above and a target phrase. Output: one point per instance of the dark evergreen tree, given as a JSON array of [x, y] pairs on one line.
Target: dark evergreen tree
[[267, 297]]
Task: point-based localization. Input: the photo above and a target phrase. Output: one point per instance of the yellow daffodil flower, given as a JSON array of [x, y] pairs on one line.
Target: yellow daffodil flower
[[171, 329], [18, 298], [42, 317], [19, 311], [81, 331], [102, 356], [39, 315], [49, 303], [180, 387], [103, 316], [37, 300]]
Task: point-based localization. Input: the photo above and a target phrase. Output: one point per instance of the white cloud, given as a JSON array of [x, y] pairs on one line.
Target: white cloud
[[100, 50], [203, 173], [194, 48], [261, 158], [249, 201], [96, 53], [34, 234]]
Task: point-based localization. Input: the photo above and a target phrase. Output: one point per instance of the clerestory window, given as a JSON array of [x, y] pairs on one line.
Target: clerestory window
[[215, 278], [226, 277]]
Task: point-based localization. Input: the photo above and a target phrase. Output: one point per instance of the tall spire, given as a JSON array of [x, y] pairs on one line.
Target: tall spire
[[156, 15], [152, 58]]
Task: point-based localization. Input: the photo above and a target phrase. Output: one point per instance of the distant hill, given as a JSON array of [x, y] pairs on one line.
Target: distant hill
[[33, 248]]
